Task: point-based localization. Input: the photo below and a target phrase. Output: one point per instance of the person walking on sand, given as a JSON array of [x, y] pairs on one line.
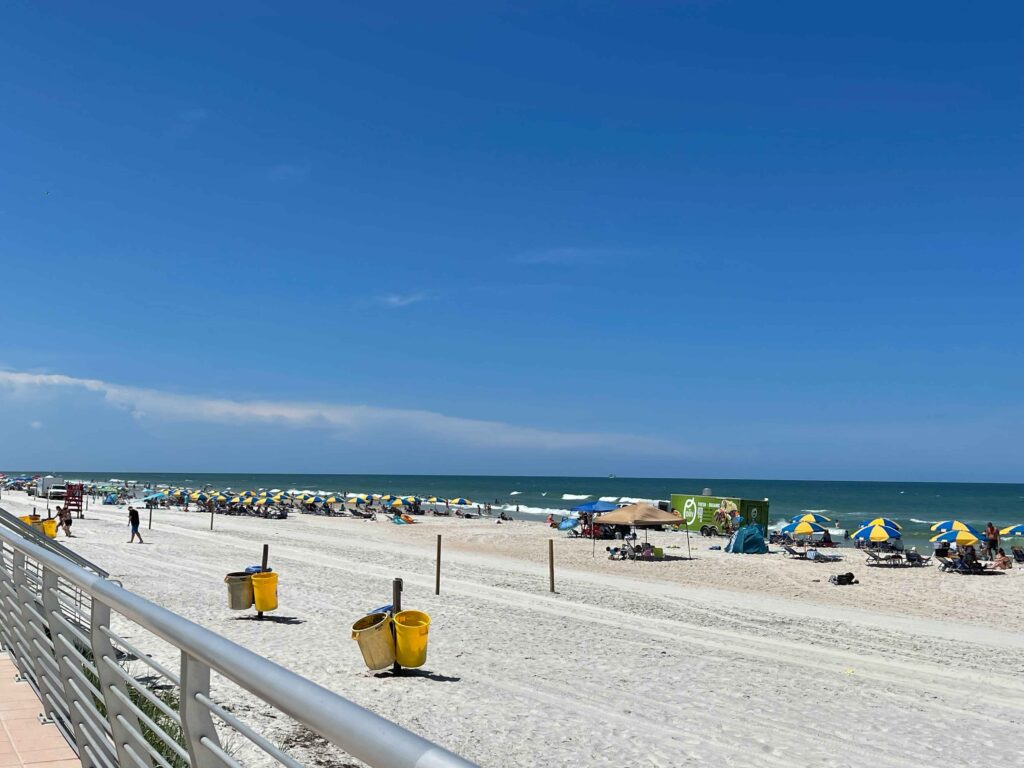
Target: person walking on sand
[[133, 521], [992, 540], [64, 520]]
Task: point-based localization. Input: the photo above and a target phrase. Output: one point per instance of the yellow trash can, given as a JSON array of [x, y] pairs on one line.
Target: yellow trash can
[[373, 633], [28, 519], [50, 527], [411, 628], [240, 595], [264, 590]]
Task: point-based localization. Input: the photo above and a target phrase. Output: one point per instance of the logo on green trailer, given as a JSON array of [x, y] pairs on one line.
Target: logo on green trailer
[[690, 511]]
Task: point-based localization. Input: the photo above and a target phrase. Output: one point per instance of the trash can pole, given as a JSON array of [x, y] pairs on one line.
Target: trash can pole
[[551, 564], [263, 563], [396, 606], [437, 577]]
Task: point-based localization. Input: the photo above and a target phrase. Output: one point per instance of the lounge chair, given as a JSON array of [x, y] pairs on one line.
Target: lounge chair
[[794, 554], [821, 557], [1018, 555], [876, 559], [945, 564], [915, 559]]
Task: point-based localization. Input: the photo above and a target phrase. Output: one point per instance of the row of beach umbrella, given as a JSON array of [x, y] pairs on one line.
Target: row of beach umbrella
[[883, 529], [262, 498]]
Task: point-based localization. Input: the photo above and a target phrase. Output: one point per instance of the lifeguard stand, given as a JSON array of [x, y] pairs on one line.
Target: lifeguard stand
[[73, 499]]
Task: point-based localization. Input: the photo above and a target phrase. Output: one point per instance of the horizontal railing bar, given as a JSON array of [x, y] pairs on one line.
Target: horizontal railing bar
[[82, 661], [361, 733], [142, 690], [135, 757], [145, 658], [160, 732], [138, 737], [100, 740], [90, 695], [225, 758], [71, 629], [270, 748]]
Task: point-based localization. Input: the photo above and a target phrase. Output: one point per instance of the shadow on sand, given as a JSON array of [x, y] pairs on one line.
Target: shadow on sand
[[272, 619], [420, 673]]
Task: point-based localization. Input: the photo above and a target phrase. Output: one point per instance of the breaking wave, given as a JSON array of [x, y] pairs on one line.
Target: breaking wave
[[575, 496]]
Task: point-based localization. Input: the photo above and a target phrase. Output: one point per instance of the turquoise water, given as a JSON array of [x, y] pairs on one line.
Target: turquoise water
[[914, 505]]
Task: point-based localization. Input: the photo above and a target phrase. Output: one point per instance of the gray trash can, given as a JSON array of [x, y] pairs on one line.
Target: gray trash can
[[240, 597]]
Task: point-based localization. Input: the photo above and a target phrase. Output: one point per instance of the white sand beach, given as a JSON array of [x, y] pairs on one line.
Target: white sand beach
[[732, 660]]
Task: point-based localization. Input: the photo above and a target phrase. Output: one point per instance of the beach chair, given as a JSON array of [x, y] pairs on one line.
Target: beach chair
[[1018, 555], [793, 554], [945, 564], [822, 557], [876, 559], [915, 559]]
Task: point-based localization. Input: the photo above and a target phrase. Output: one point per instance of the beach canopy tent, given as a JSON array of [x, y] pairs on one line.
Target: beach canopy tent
[[639, 515], [595, 506], [748, 540]]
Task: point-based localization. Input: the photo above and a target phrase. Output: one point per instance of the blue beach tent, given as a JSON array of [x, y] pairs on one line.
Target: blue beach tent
[[595, 506], [748, 540]]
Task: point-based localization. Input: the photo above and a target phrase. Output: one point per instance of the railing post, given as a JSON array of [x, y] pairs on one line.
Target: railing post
[[23, 658], [61, 649], [118, 713], [196, 721]]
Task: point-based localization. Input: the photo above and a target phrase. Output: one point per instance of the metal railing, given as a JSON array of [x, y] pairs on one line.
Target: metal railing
[[68, 630], [15, 523]]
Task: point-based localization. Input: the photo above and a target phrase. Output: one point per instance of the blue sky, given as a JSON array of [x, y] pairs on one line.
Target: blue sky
[[682, 239]]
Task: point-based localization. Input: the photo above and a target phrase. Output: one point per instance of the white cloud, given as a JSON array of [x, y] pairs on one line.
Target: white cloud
[[402, 299], [342, 419], [36, 425]]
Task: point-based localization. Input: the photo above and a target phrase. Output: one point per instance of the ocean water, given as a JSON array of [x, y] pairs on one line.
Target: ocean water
[[914, 505]]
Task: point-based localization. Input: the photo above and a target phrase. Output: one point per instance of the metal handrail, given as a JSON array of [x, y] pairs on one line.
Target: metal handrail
[[27, 531], [361, 733]]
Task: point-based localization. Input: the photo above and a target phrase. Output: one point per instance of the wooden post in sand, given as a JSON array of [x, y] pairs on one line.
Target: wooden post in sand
[[396, 606], [437, 576], [263, 563], [211, 514], [551, 564], [150, 526]]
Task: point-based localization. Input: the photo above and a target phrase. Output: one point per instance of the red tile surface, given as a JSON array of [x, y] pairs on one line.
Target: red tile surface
[[24, 741]]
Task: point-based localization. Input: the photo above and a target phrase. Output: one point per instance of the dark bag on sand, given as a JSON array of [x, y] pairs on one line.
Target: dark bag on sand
[[843, 579]]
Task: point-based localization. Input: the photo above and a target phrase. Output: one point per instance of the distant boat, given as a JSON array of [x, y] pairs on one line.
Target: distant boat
[[611, 477]]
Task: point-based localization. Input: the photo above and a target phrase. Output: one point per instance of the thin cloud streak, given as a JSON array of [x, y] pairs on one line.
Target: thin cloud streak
[[339, 419], [402, 300]]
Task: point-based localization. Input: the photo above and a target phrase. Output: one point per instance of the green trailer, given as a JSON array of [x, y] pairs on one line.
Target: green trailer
[[718, 515]]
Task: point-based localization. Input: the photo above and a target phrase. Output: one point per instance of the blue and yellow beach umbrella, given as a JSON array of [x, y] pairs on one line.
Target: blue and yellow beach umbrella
[[460, 501], [811, 517], [410, 499], [958, 537], [434, 500], [1013, 530], [876, 533], [398, 503], [884, 521], [954, 525], [802, 529]]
